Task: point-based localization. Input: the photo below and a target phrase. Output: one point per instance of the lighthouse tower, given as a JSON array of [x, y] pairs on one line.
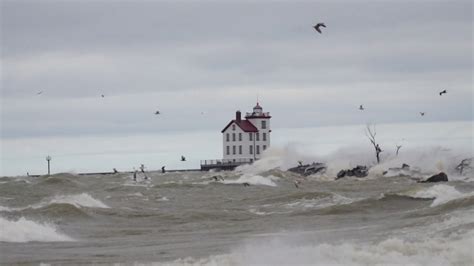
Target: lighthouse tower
[[261, 138], [244, 140]]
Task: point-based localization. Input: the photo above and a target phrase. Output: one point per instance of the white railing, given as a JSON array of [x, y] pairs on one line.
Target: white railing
[[226, 161], [255, 114]]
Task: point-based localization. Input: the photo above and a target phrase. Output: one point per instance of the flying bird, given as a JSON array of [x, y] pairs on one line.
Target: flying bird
[[440, 93], [40, 92], [102, 95], [183, 158], [422, 113], [157, 112], [318, 26], [361, 107]]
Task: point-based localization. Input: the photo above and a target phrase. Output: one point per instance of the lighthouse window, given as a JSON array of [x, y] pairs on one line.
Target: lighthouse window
[[250, 136], [251, 149], [240, 149], [240, 136], [264, 136], [228, 150], [264, 124], [264, 147], [233, 127], [258, 149], [233, 136], [233, 149], [227, 136], [257, 136]]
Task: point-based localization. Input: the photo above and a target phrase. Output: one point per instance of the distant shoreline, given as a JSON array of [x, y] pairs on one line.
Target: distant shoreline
[[111, 173]]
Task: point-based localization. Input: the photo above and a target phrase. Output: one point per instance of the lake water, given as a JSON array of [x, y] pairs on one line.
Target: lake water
[[212, 218]]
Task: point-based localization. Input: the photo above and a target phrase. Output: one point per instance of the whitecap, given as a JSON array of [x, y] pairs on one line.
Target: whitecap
[[253, 180], [5, 209], [79, 200], [24, 230], [280, 251], [441, 194]]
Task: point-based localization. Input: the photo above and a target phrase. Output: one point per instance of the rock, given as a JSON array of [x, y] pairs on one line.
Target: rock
[[441, 177], [308, 169], [405, 166], [358, 171], [341, 174]]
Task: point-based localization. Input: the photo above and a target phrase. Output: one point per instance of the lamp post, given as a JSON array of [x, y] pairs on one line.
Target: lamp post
[[48, 158]]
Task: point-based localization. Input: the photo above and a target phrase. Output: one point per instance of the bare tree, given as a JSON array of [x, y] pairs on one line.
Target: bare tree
[[398, 148], [370, 133]]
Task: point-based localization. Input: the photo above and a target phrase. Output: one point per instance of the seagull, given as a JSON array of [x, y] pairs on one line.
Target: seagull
[[157, 112], [442, 92], [422, 113], [318, 26], [102, 95], [183, 158], [297, 183], [39, 92], [361, 107]]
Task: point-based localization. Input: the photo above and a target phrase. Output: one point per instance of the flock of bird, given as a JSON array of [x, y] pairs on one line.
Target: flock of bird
[[318, 26], [157, 112], [361, 107]]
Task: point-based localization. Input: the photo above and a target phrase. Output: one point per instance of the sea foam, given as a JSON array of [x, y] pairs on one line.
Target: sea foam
[[434, 251], [24, 230], [253, 180], [79, 200], [428, 160], [441, 194]]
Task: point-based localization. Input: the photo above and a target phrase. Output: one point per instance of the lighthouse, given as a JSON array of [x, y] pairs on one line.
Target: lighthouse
[[244, 140]]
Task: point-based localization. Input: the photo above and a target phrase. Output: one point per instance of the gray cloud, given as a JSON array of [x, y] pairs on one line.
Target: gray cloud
[[188, 57]]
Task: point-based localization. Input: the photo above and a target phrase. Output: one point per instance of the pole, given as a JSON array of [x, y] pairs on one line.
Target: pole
[[48, 158]]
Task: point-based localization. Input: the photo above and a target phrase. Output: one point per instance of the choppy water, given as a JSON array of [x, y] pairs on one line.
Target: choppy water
[[188, 219]]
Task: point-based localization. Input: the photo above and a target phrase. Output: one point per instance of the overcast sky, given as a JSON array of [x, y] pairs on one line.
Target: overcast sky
[[199, 62]]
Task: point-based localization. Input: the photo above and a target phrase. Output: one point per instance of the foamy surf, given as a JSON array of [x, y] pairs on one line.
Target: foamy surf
[[319, 203], [440, 194], [24, 230], [79, 200], [423, 161], [436, 251], [253, 180], [5, 209]]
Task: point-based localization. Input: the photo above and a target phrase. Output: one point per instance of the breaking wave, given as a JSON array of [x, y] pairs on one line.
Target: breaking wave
[[440, 194], [426, 160], [455, 250], [253, 180], [80, 200], [24, 230]]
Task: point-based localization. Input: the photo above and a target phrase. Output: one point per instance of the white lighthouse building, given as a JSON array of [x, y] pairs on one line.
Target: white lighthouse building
[[244, 140]]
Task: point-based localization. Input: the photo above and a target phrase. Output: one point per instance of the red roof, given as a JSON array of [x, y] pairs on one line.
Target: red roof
[[245, 125]]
